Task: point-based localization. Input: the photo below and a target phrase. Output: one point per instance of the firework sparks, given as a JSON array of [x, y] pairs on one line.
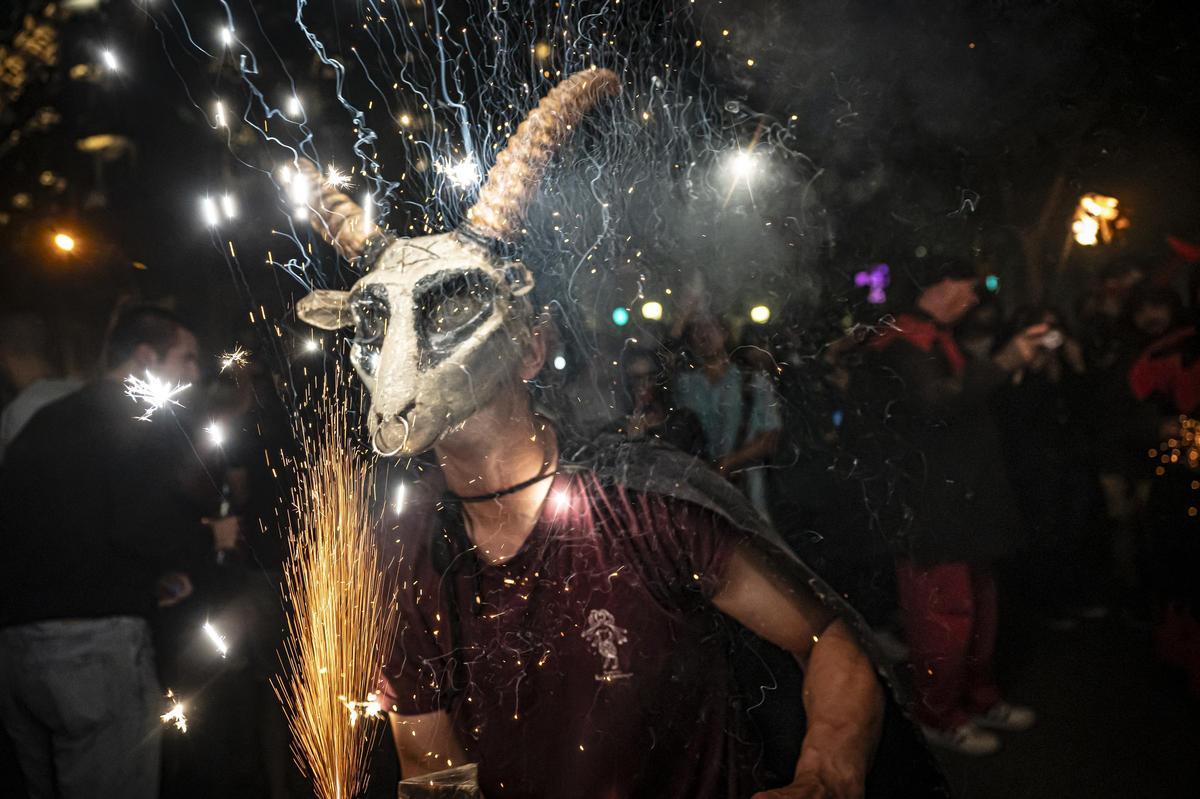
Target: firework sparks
[[464, 174], [176, 714], [217, 639], [154, 393], [216, 433], [236, 358], [342, 624], [336, 178]]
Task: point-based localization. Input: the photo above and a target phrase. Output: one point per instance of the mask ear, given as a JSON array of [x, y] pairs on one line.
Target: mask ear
[[326, 309]]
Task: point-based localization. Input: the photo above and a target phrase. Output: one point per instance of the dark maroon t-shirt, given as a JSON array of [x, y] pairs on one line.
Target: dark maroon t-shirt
[[591, 664]]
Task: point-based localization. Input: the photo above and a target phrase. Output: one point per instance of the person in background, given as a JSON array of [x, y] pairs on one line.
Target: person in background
[[650, 412], [738, 408], [94, 539], [958, 505], [26, 362], [1042, 412]]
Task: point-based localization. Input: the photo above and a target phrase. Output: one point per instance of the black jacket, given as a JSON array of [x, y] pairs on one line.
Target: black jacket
[[91, 510]]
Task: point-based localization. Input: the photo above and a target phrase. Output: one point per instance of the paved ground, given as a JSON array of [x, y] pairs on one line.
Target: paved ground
[[1112, 723]]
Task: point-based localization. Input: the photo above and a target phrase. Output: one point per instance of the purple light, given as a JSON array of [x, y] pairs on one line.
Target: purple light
[[877, 279]]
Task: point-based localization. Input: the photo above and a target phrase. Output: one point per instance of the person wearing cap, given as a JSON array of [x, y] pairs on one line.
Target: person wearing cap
[[958, 509]]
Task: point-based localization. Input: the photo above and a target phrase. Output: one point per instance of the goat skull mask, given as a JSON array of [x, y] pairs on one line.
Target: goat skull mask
[[441, 321]]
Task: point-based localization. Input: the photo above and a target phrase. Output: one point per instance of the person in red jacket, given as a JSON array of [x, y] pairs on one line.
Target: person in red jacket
[[958, 505]]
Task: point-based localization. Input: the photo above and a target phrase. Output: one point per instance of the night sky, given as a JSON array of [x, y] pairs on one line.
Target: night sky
[[914, 116]]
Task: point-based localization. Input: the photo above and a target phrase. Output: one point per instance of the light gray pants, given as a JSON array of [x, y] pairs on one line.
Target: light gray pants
[[80, 699]]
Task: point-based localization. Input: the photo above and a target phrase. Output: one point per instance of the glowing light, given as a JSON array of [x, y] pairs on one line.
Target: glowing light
[[1096, 219], [877, 278], [298, 190], [760, 314], [311, 345], [217, 639], [226, 36], [743, 165], [560, 362], [652, 310], [228, 206], [236, 357], [368, 206], [464, 174], [64, 242], [176, 714], [620, 316], [154, 393], [371, 709], [110, 60], [561, 501], [992, 283], [293, 107], [405, 120], [209, 212], [216, 434], [335, 178], [219, 114], [542, 51], [401, 492]]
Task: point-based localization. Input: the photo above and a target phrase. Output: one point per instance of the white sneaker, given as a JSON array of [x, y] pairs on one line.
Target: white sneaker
[[1007, 718], [966, 740]]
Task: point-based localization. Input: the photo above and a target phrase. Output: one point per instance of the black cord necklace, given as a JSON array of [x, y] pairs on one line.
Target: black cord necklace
[[540, 476]]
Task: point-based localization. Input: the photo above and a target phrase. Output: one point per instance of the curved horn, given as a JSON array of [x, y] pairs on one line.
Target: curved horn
[[513, 179], [338, 219]]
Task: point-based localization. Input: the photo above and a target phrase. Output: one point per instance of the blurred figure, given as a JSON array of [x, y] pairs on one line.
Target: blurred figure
[[959, 506], [1165, 378], [738, 408], [26, 362], [93, 539], [650, 413], [1041, 416]]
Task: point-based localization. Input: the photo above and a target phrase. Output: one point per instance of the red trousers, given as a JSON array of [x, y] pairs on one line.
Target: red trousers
[[949, 615]]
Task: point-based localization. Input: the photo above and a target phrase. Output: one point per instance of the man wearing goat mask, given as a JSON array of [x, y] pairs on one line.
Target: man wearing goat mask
[[563, 615]]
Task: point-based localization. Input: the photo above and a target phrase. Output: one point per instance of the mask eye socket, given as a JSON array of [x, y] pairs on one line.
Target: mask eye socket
[[452, 307], [369, 305]]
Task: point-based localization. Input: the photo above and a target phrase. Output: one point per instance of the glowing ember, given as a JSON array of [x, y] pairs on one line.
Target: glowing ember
[[154, 393]]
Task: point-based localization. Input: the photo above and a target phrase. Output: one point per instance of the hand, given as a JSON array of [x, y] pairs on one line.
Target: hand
[[1021, 349], [172, 588], [226, 532]]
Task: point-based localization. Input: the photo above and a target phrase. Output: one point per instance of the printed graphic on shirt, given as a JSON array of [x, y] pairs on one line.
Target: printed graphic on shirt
[[605, 636]]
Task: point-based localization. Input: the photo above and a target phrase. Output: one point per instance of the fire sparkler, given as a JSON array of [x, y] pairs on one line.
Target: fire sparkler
[[1096, 219], [235, 358], [154, 393], [176, 714], [342, 624]]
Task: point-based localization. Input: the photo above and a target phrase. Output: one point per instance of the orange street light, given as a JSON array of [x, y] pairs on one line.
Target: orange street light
[[64, 242]]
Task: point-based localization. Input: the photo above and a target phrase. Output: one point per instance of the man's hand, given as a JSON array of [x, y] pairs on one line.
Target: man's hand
[[226, 532], [172, 588]]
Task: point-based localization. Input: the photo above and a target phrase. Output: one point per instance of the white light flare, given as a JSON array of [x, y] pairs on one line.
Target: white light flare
[[560, 362], [154, 393], [216, 434], [743, 165], [336, 178], [217, 639], [464, 173], [652, 310], [311, 345], [368, 206], [219, 115], [298, 190], [225, 34], [228, 206], [401, 493], [293, 107], [209, 212], [236, 357], [110, 60]]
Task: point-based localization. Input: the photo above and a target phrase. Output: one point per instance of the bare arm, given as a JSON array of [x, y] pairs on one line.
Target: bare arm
[[425, 743], [842, 696]]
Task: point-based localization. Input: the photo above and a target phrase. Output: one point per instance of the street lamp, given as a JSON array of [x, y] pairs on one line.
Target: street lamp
[[64, 242]]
